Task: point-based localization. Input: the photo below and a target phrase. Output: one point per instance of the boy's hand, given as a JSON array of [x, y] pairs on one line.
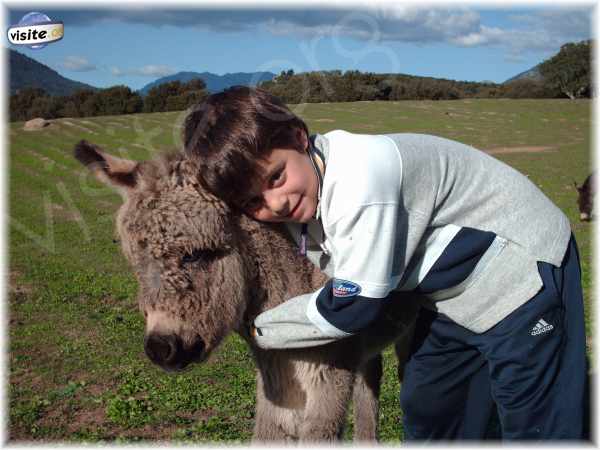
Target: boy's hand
[[288, 326]]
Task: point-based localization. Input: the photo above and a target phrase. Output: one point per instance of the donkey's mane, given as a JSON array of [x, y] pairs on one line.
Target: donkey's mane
[[171, 169]]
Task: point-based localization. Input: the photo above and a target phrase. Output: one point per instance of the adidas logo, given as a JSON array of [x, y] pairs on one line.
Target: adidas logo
[[541, 327]]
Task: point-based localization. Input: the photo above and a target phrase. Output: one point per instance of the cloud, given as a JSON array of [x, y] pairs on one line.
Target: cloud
[[427, 25], [525, 31], [145, 71], [514, 58], [115, 71], [574, 22], [78, 64], [538, 32], [388, 23]]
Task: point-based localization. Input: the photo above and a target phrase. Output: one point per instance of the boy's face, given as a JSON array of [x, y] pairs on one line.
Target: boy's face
[[288, 193]]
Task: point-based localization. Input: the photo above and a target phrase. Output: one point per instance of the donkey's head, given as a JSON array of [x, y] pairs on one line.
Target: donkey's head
[[186, 250]]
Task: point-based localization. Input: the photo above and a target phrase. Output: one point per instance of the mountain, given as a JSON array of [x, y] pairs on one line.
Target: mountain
[[26, 72], [214, 83], [531, 74]]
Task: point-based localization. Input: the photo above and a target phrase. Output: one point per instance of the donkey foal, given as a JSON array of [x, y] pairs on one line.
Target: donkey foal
[[205, 271]]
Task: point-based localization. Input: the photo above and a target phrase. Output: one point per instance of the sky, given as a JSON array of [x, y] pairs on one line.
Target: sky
[[135, 44]]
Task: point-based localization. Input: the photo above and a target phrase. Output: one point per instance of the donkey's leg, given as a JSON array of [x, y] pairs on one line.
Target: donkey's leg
[[266, 427], [327, 399], [366, 400]]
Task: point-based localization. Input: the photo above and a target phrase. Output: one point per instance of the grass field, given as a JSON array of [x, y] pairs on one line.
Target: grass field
[[77, 370]]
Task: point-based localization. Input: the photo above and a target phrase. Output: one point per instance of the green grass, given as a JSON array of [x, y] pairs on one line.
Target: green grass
[[77, 368]]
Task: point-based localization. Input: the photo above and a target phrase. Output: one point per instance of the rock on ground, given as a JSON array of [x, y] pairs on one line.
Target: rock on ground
[[36, 124]]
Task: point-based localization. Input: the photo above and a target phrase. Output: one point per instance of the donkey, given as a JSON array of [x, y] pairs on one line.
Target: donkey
[[585, 198], [205, 271]]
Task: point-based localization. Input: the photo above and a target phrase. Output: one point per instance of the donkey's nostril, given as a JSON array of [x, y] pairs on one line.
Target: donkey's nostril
[[197, 350], [162, 349], [169, 352]]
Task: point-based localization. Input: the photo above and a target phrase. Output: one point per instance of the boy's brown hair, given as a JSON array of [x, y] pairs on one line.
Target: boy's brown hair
[[230, 131]]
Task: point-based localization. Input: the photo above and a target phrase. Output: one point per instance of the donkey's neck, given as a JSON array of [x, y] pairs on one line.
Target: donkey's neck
[[281, 273]]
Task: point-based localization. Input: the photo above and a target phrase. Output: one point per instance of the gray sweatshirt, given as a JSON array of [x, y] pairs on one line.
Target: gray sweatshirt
[[410, 212]]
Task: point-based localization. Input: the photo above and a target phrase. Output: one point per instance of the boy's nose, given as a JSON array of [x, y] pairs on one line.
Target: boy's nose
[[276, 203]]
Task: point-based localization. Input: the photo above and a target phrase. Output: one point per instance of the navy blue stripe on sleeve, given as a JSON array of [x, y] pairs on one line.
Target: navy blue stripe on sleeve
[[458, 260], [349, 313]]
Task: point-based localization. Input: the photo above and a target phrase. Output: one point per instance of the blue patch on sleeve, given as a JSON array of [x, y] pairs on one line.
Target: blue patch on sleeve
[[339, 305], [343, 288]]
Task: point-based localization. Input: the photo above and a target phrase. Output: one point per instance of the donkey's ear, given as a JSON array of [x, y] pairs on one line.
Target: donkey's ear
[[116, 172]]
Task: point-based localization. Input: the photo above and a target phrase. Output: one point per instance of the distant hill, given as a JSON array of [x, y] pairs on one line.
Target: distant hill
[[531, 74], [26, 72], [214, 83]]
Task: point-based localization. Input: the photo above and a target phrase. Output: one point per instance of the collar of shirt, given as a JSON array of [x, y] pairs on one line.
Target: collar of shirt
[[317, 151]]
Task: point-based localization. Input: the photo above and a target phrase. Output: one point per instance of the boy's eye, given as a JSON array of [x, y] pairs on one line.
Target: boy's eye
[[276, 178]]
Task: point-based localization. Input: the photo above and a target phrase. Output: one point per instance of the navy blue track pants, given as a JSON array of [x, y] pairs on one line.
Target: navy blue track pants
[[530, 368]]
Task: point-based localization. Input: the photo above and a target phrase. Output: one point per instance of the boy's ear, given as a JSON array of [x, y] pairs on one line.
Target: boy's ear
[[116, 172], [302, 138]]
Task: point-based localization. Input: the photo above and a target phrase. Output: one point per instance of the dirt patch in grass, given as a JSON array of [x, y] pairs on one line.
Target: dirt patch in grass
[[16, 286], [201, 414], [519, 149], [25, 373], [72, 413], [89, 418], [57, 415], [324, 120], [160, 432], [151, 432]]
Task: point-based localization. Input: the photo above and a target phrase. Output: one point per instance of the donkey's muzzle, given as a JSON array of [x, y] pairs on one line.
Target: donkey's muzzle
[[169, 352]]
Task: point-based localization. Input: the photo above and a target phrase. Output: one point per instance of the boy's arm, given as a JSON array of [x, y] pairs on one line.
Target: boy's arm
[[352, 300], [367, 232], [315, 319]]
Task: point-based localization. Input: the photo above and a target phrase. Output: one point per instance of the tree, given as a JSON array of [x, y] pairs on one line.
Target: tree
[[156, 100], [46, 107], [569, 70], [21, 103], [70, 109], [91, 106], [527, 88], [284, 76], [192, 92], [118, 100], [175, 96]]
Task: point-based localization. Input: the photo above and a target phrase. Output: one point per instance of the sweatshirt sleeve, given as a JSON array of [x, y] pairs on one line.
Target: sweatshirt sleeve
[[317, 318]]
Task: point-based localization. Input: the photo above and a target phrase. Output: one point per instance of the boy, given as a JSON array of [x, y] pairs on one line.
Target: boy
[[493, 259]]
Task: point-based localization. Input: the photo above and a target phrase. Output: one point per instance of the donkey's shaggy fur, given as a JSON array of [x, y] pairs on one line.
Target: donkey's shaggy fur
[[205, 271]]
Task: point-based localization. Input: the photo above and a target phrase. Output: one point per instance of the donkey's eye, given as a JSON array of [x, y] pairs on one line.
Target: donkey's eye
[[191, 257], [199, 255]]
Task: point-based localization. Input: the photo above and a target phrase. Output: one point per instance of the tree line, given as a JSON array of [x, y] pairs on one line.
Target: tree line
[[335, 86], [566, 74], [29, 103]]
